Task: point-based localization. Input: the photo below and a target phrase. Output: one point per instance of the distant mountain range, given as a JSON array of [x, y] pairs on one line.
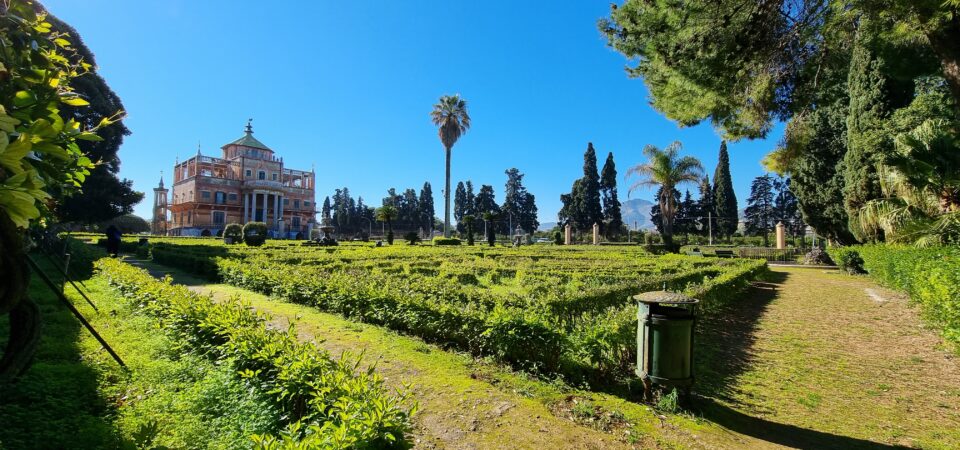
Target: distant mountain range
[[635, 212]]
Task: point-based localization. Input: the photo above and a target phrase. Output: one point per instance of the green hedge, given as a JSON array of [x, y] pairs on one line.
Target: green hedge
[[445, 241], [930, 275], [342, 406]]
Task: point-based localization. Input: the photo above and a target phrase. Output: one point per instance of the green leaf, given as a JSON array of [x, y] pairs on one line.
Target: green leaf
[[24, 98], [74, 101], [12, 154], [88, 136]]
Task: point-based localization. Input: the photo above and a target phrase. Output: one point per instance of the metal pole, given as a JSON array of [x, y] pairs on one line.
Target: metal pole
[[75, 312], [710, 226]]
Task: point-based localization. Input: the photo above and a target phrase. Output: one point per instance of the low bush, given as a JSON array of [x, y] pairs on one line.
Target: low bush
[[930, 275], [445, 241], [412, 238], [557, 238], [254, 233], [342, 407], [848, 259], [233, 231]]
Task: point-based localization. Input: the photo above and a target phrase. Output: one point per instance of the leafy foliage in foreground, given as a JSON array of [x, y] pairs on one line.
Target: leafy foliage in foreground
[[327, 400]]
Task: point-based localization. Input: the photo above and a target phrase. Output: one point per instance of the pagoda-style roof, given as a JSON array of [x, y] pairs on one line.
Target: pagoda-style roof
[[249, 141]]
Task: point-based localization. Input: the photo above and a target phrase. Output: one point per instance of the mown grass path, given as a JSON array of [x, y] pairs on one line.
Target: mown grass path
[[811, 359]]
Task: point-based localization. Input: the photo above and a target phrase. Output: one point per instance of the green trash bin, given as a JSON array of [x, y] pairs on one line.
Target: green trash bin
[[665, 323]]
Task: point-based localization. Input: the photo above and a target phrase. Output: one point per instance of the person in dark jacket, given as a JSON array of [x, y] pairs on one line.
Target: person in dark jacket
[[113, 240]]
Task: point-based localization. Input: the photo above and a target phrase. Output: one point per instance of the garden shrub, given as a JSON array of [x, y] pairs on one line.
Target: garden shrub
[[445, 241], [255, 233], [931, 276], [233, 231], [344, 407], [848, 259], [412, 238], [557, 238]]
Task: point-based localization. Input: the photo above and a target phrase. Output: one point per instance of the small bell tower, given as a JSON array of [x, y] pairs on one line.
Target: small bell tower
[[158, 226]]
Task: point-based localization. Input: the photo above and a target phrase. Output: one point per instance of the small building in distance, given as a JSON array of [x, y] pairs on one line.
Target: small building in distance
[[248, 183]]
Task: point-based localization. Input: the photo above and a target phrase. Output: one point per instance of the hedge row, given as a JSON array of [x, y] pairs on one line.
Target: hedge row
[[325, 400], [930, 275]]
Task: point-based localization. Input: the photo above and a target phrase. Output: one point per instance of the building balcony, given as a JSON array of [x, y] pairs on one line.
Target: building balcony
[[265, 184]]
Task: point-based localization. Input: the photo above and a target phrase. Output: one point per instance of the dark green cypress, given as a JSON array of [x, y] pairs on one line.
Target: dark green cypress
[[867, 140], [613, 219], [592, 212], [724, 199]]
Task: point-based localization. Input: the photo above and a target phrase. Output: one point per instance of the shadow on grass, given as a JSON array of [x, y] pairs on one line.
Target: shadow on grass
[[57, 402], [782, 434], [725, 351]]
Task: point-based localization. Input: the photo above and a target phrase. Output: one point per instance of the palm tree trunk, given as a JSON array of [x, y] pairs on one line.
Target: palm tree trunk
[[446, 200]]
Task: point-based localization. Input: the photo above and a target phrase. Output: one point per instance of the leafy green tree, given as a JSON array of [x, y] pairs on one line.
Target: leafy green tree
[[724, 198], [387, 213], [41, 161], [816, 143], [667, 169], [612, 217], [759, 212], [450, 115], [867, 140], [745, 65], [103, 196], [127, 224], [685, 221]]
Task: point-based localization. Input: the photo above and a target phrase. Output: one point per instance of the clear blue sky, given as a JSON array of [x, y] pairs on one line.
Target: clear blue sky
[[348, 86]]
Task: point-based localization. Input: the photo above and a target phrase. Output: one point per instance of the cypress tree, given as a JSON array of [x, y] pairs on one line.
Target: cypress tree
[[724, 199], [613, 219], [459, 206], [866, 140], [705, 206], [590, 190], [426, 208], [326, 208]]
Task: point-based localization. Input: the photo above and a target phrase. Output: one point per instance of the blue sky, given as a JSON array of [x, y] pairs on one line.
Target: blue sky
[[348, 86]]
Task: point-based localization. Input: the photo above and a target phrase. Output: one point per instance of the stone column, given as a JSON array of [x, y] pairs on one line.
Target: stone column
[[596, 234], [781, 236], [280, 212], [568, 235], [246, 207], [276, 211]]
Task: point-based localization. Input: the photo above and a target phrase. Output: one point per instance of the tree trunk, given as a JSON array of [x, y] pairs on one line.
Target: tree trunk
[[24, 314], [943, 40], [446, 200]]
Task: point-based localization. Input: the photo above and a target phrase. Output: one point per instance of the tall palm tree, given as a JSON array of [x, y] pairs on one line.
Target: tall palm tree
[[667, 169], [387, 213], [450, 115]]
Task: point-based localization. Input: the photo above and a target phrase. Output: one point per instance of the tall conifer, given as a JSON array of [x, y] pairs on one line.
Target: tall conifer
[[724, 199]]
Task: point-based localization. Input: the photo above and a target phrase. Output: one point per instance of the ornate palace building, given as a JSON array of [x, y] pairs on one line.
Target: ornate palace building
[[249, 183]]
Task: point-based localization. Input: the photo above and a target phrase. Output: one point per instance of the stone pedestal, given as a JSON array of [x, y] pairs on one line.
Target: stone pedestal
[[568, 235], [596, 234], [781, 236]]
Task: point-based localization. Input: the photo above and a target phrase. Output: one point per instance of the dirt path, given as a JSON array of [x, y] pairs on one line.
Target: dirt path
[[810, 360], [835, 361]]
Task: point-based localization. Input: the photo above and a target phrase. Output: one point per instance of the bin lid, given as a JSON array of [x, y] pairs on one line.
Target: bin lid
[[664, 297]]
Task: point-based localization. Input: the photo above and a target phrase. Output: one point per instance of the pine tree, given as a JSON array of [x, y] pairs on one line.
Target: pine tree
[[613, 219], [867, 141], [590, 191], [470, 203], [486, 202], [724, 199], [519, 205], [759, 213], [426, 208], [684, 222]]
